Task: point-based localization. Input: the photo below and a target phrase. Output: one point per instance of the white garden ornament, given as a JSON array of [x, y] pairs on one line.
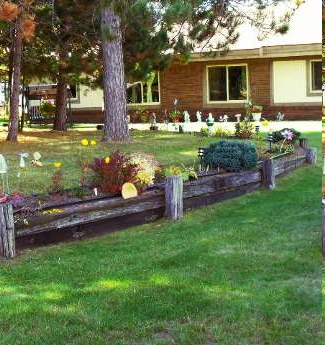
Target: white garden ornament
[[23, 156]]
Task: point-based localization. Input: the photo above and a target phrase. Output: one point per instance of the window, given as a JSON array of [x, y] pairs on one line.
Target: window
[[316, 76], [227, 83], [74, 92], [144, 92]]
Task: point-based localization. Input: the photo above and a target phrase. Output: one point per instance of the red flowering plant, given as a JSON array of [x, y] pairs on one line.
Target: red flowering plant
[[113, 171]]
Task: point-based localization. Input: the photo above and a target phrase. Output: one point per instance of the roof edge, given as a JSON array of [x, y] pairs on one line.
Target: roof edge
[[293, 50]]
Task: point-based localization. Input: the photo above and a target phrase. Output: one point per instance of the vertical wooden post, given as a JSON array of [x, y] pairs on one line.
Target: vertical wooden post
[[311, 156], [303, 143], [268, 174], [323, 228], [7, 232], [174, 197]]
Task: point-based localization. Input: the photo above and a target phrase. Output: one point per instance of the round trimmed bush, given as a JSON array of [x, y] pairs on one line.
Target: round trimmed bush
[[232, 156]]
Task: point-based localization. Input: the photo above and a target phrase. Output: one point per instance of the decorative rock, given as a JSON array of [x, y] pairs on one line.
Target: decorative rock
[[129, 191]]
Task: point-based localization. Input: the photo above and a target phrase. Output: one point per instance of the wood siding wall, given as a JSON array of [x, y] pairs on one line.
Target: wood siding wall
[[187, 83]]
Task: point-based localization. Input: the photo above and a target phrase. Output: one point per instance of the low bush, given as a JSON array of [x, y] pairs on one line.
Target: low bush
[[222, 133], [218, 132], [204, 131], [113, 171], [244, 130], [232, 156], [186, 172], [148, 169]]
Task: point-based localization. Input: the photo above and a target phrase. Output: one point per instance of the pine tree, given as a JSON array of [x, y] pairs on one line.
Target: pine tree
[[19, 19], [154, 33]]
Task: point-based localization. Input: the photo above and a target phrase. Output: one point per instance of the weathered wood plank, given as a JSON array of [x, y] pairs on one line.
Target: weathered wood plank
[[174, 197], [268, 174], [287, 166], [89, 206], [72, 220], [7, 232], [88, 230], [311, 156], [218, 196], [303, 143]]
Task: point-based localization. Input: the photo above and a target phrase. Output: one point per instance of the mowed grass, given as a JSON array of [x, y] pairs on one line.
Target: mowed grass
[[168, 148], [243, 272]]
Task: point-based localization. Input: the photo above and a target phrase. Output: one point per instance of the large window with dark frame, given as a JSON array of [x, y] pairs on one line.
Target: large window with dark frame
[[144, 92], [227, 83], [316, 76]]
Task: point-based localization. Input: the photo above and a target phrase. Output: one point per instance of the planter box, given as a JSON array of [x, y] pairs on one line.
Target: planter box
[[90, 218], [93, 217]]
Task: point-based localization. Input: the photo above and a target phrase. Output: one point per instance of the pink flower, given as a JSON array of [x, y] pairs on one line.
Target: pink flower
[[287, 134]]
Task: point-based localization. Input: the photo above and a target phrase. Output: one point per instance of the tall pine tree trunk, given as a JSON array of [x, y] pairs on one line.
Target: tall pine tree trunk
[[14, 94], [60, 120], [115, 120]]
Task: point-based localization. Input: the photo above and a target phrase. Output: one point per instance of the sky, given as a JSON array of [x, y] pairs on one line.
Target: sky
[[305, 27]]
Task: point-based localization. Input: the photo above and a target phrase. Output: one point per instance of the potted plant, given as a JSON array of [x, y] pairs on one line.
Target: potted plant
[[256, 112], [175, 115]]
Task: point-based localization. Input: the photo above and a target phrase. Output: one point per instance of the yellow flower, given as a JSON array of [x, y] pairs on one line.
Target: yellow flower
[[265, 123], [93, 142], [145, 177], [57, 164], [107, 159], [84, 142], [53, 210]]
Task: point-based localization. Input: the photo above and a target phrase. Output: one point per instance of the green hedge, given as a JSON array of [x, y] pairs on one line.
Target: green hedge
[[232, 156]]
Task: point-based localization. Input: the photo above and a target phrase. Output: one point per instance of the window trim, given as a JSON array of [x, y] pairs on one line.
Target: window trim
[[227, 101], [75, 100], [310, 91], [148, 103]]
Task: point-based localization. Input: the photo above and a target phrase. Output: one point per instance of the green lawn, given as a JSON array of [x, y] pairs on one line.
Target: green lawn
[[243, 272], [168, 148]]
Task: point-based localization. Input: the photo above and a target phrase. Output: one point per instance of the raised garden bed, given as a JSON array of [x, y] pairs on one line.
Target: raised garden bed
[[93, 216]]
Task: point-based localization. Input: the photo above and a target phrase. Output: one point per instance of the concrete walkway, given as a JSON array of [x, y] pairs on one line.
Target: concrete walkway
[[301, 126]]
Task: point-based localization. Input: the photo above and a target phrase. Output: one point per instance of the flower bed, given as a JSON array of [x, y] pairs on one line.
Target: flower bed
[[96, 215]]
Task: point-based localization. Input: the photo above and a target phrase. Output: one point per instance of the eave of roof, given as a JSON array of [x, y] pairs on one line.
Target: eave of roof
[[287, 51]]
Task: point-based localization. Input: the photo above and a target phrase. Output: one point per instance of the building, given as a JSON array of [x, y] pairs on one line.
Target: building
[[282, 73]]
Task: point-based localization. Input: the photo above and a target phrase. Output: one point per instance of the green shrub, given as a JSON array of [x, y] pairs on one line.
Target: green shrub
[[244, 130], [47, 109], [277, 135], [185, 172], [231, 156], [204, 131], [222, 133]]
